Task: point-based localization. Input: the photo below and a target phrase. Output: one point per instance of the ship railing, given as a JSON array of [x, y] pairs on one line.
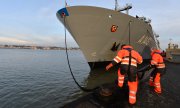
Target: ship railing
[[146, 20]]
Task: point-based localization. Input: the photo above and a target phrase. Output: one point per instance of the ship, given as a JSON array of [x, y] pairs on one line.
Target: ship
[[172, 53], [100, 32]]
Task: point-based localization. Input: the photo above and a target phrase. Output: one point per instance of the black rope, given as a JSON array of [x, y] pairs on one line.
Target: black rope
[[129, 66], [130, 56], [143, 71], [130, 32], [67, 55]]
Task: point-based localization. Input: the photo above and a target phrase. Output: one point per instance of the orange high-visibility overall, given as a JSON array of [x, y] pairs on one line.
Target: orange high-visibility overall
[[157, 61], [124, 58]]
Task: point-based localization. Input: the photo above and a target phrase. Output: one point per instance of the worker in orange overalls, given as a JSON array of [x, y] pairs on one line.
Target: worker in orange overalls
[[158, 63], [128, 58]]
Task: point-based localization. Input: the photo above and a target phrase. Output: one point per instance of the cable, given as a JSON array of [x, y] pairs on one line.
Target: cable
[[67, 56], [143, 70], [130, 32]]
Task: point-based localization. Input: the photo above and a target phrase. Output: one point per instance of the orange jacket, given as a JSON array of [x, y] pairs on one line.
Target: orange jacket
[[123, 56], [157, 59]]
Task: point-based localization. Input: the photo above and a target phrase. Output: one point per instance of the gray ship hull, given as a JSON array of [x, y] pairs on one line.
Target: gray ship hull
[[91, 29]]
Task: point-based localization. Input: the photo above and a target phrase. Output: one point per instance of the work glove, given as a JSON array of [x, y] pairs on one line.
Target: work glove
[[109, 66]]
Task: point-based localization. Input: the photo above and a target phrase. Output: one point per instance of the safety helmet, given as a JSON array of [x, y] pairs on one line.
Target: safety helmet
[[126, 46], [155, 50]]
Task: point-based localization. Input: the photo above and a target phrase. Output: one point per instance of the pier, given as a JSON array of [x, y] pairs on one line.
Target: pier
[[146, 97]]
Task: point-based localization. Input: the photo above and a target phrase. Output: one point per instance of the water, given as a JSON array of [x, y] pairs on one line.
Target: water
[[41, 79]]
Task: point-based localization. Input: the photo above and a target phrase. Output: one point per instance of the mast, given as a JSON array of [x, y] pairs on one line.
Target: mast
[[125, 8], [65, 3], [116, 5]]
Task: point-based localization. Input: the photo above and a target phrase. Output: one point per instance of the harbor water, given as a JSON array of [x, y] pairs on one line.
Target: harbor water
[[41, 79]]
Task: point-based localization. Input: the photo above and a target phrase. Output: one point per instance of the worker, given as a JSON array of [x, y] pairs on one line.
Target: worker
[[128, 58], [158, 63]]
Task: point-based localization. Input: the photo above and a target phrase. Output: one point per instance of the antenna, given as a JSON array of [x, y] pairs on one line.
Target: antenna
[[126, 8], [170, 41], [65, 3], [116, 5]]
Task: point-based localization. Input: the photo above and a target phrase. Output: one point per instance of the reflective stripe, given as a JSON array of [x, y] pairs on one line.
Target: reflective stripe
[[157, 83], [158, 86], [132, 60], [140, 62], [125, 60], [118, 58], [153, 62], [115, 60], [161, 65], [121, 81], [133, 97], [133, 92], [121, 78], [128, 61], [128, 64]]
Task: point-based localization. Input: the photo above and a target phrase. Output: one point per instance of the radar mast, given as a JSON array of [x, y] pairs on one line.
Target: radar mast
[[125, 8]]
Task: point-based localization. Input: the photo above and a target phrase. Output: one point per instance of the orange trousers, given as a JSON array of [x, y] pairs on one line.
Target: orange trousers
[[132, 91], [132, 87], [157, 84], [155, 81]]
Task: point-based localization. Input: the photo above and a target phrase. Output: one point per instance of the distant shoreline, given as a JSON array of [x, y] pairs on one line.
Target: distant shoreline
[[36, 47]]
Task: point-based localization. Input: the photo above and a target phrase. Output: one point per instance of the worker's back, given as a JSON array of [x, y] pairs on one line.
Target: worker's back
[[125, 53]]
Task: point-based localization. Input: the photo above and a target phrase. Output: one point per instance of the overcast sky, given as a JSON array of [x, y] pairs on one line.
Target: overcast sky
[[35, 22]]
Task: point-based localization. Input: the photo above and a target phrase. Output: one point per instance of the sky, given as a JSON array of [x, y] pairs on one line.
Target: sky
[[34, 22]]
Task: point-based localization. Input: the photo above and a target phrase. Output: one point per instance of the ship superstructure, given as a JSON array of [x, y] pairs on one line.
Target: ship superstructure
[[173, 53]]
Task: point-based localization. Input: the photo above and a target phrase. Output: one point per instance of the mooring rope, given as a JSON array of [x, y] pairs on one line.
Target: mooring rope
[[67, 56]]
